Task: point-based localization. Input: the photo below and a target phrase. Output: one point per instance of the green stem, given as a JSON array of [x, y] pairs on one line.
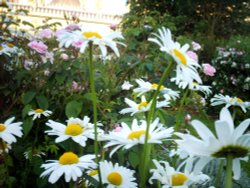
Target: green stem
[[94, 101], [217, 178], [150, 115], [180, 110], [229, 171]]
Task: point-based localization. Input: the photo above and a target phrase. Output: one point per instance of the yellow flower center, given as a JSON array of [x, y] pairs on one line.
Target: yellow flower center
[[10, 45], [39, 110], [2, 127], [155, 86], [195, 83], [239, 100], [179, 179], [136, 134], [1, 48], [142, 104], [93, 172], [115, 178], [68, 158], [180, 56], [73, 129], [92, 34]]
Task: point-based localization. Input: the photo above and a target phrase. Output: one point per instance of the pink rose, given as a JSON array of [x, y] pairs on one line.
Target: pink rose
[[192, 55], [208, 69], [46, 33], [38, 46]]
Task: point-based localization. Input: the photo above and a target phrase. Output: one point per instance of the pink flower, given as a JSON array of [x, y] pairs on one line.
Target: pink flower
[[72, 27], [77, 44], [192, 55], [76, 87], [46, 33], [113, 26], [208, 69], [38, 46], [196, 46], [64, 56], [118, 129]]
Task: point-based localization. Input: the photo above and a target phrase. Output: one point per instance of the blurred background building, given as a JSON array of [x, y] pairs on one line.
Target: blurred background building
[[97, 13]]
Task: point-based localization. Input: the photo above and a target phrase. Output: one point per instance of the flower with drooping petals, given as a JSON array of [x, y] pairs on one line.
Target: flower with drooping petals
[[143, 106], [186, 66], [171, 178], [229, 141], [37, 113], [228, 101], [76, 129], [69, 165], [128, 136], [145, 87], [90, 36]]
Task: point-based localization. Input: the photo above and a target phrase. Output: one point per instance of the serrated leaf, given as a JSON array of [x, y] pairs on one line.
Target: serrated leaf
[[73, 109], [28, 97], [42, 102]]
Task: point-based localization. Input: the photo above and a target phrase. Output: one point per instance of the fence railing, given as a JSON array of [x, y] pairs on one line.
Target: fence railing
[[60, 12]]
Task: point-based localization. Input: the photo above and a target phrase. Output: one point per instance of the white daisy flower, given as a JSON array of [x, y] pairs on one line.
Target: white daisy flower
[[229, 141], [186, 66], [128, 136], [145, 87], [192, 86], [9, 130], [115, 176], [39, 112], [76, 129], [126, 85], [68, 164], [8, 49], [143, 106], [86, 36], [219, 99], [170, 178]]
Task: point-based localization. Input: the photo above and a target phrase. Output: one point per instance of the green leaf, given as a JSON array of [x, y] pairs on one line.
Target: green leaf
[[27, 126], [28, 97], [133, 159], [73, 109], [27, 23], [42, 102], [60, 78], [25, 110]]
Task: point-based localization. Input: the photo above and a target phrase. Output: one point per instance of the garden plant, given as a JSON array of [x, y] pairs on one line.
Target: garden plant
[[137, 108]]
